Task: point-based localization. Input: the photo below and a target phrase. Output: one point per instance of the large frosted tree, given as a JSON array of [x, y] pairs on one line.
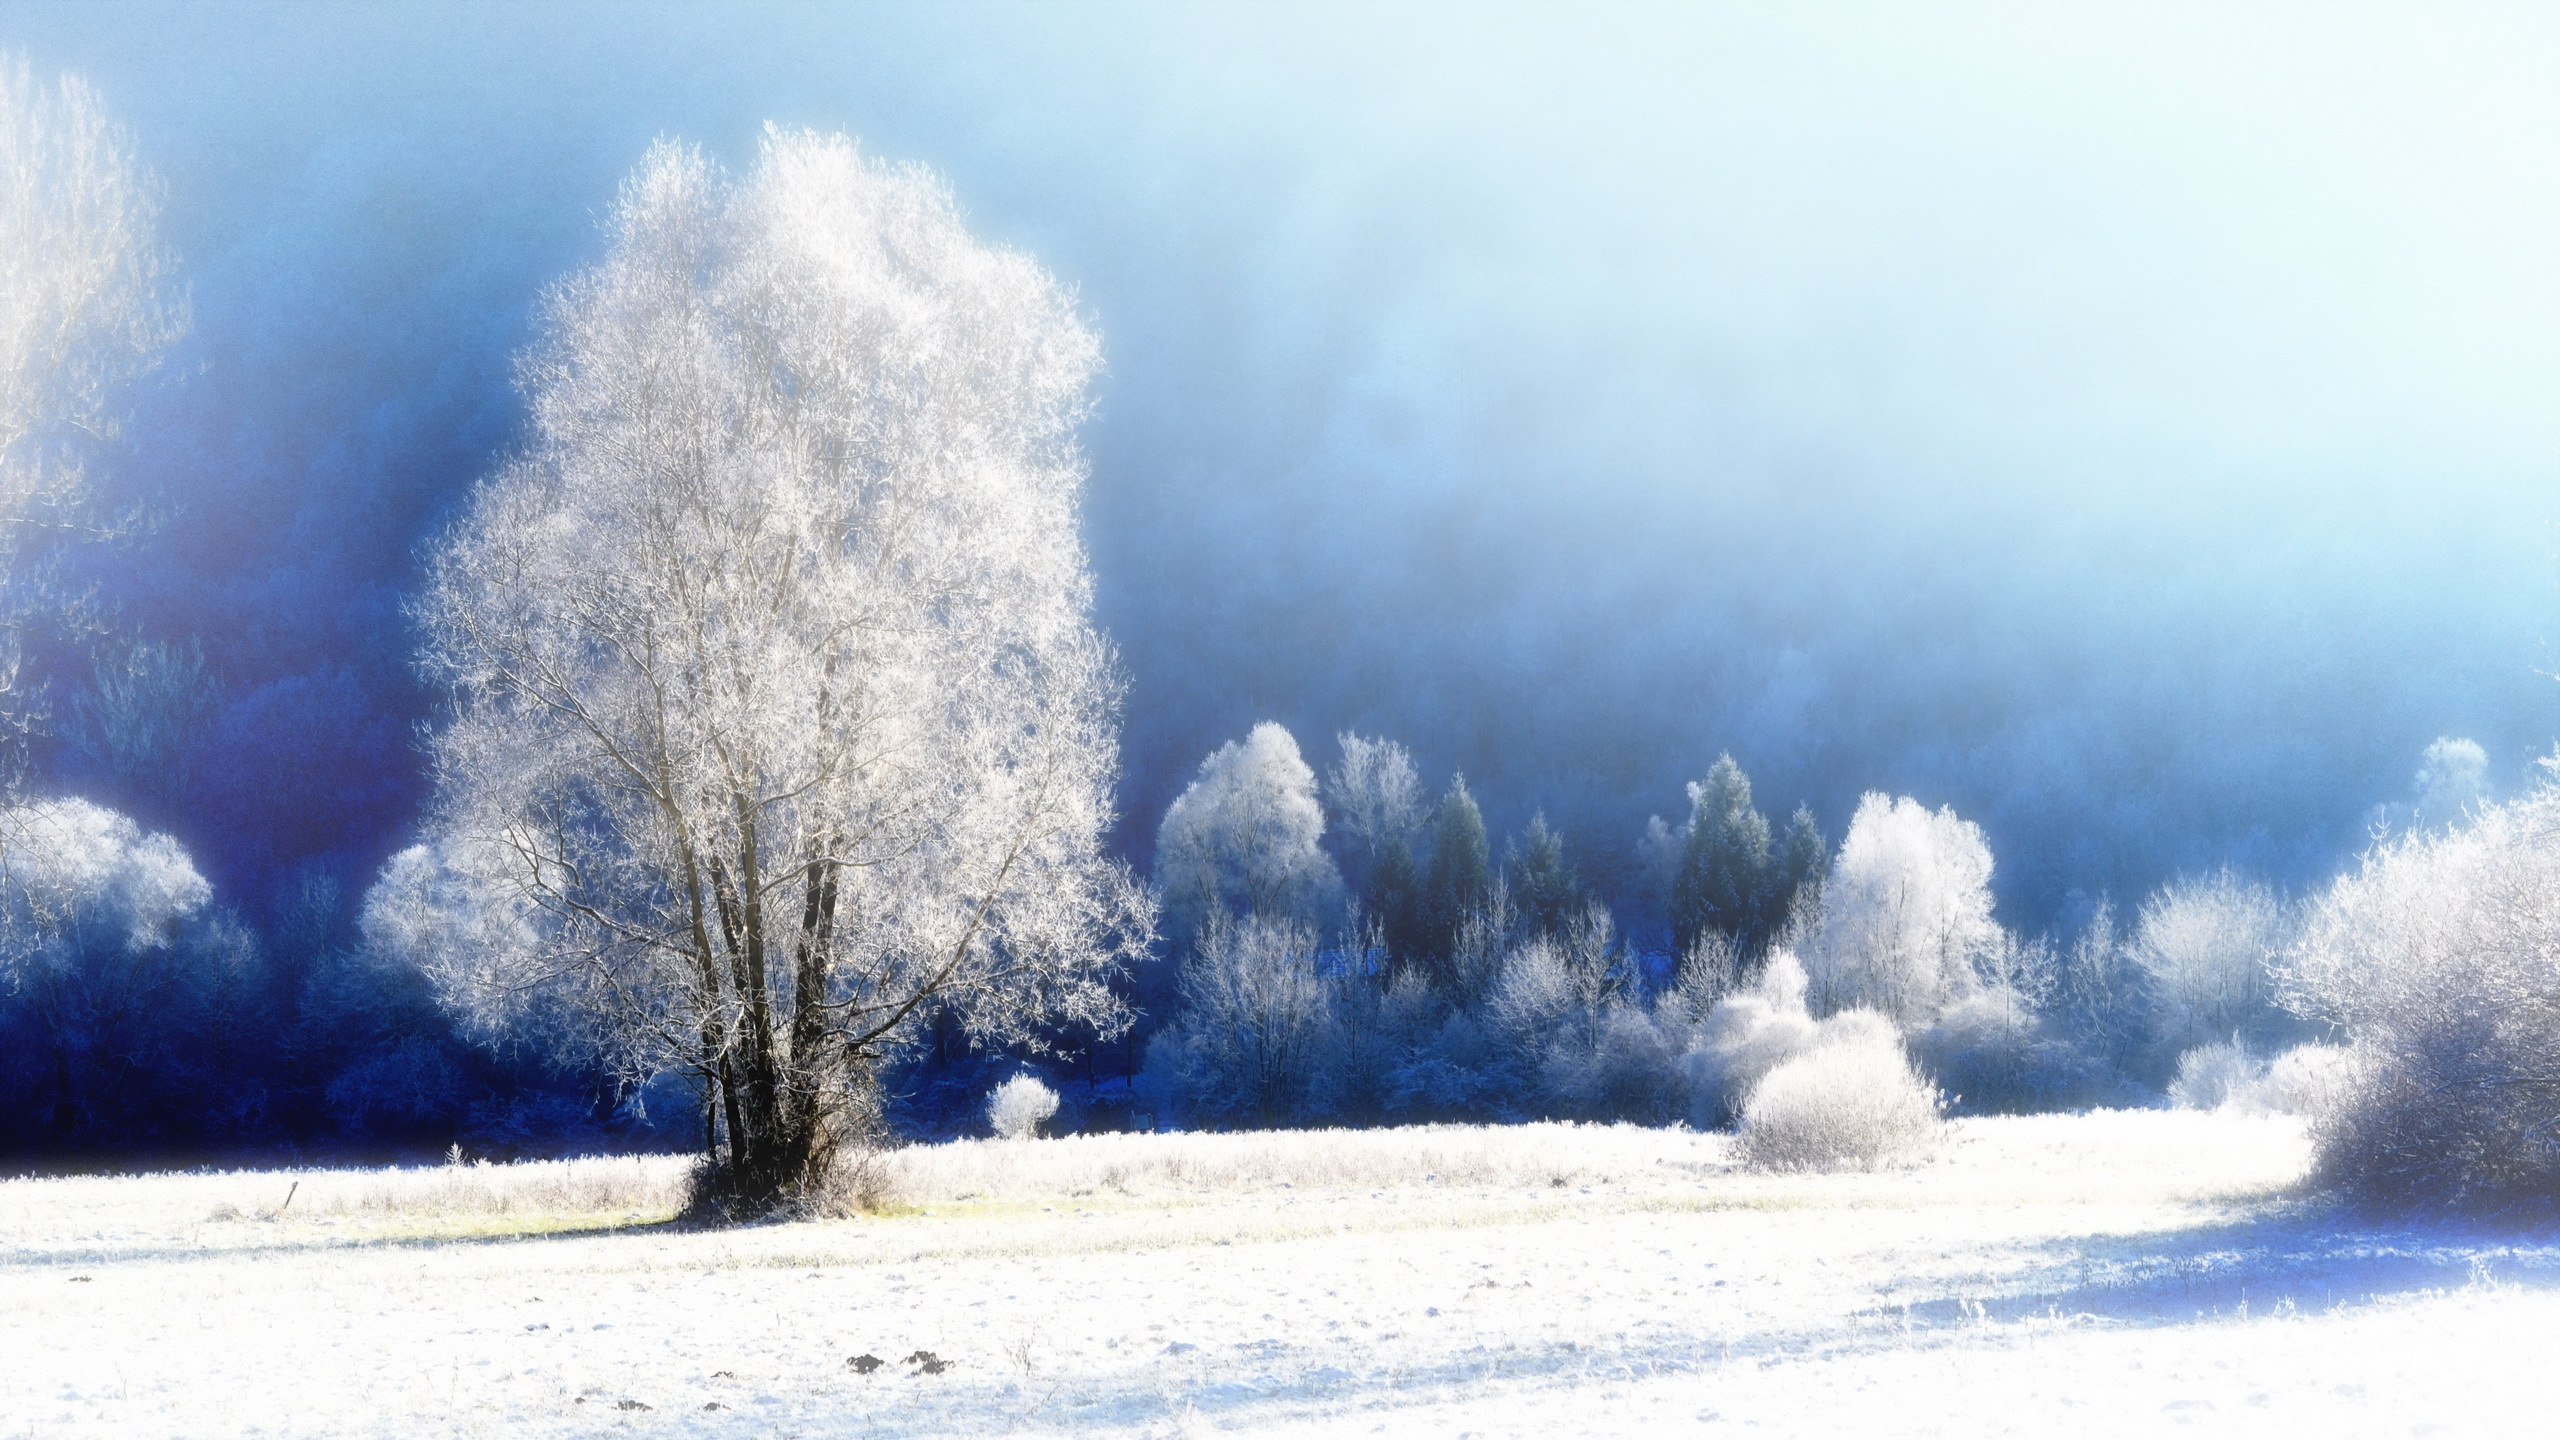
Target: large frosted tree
[[779, 721]]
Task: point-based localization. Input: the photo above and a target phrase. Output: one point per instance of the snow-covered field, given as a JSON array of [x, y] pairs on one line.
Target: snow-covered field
[[2133, 1273]]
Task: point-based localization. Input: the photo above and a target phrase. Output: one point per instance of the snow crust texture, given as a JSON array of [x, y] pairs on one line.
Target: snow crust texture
[[2109, 1274]]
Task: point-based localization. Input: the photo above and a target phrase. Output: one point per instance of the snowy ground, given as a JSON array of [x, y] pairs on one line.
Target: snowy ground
[[2112, 1274]]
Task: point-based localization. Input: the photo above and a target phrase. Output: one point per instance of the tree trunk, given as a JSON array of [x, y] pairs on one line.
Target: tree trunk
[[789, 1099]]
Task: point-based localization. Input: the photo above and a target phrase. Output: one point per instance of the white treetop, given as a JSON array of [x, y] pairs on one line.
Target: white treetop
[[74, 865], [778, 714], [1244, 836], [1906, 912], [2210, 946], [1375, 793]]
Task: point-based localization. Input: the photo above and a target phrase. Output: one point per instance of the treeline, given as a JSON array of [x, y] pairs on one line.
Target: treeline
[[141, 1021], [1350, 952]]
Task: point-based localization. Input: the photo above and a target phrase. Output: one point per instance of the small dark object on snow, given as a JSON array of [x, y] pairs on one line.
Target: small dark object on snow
[[865, 1364], [79, 1279], [631, 1405], [928, 1363], [713, 1405]]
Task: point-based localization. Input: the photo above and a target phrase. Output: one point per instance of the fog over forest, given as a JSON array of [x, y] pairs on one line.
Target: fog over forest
[[2133, 429]]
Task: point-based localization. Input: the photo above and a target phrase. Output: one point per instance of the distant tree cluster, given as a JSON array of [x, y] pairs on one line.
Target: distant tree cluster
[[1376, 965]]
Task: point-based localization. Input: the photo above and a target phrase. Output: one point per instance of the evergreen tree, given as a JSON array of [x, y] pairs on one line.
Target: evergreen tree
[[1803, 861], [1726, 869], [1543, 886], [1461, 876], [1397, 897]]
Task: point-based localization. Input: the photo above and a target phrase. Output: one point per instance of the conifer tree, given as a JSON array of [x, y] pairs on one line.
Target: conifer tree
[[1461, 875], [1399, 899], [1726, 869], [1543, 886], [1803, 861]]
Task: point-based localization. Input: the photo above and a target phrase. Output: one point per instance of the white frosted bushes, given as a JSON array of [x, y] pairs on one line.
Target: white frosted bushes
[[1747, 1035], [2440, 958], [2227, 1075], [1018, 1107], [1852, 1102]]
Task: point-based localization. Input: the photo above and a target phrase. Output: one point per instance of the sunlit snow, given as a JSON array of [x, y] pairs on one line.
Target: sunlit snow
[[2102, 1274]]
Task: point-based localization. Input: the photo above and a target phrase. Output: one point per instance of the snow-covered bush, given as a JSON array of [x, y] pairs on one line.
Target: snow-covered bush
[[2306, 1080], [2212, 1076], [433, 918], [1745, 1036], [1570, 1007], [1630, 1069], [1852, 1102], [1463, 1069], [1380, 1021], [2439, 957], [1019, 1107], [68, 865], [2227, 1075], [1905, 916]]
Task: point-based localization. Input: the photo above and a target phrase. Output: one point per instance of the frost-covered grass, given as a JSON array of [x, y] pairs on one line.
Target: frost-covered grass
[[279, 1205], [1528, 1158], [2104, 1274]]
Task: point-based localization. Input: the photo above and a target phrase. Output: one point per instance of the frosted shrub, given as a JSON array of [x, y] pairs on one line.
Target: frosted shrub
[[2304, 1080], [1018, 1107], [2212, 1076], [1630, 1071], [1463, 1068], [1568, 1007], [1744, 1037], [68, 865], [2440, 959], [1853, 1102]]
